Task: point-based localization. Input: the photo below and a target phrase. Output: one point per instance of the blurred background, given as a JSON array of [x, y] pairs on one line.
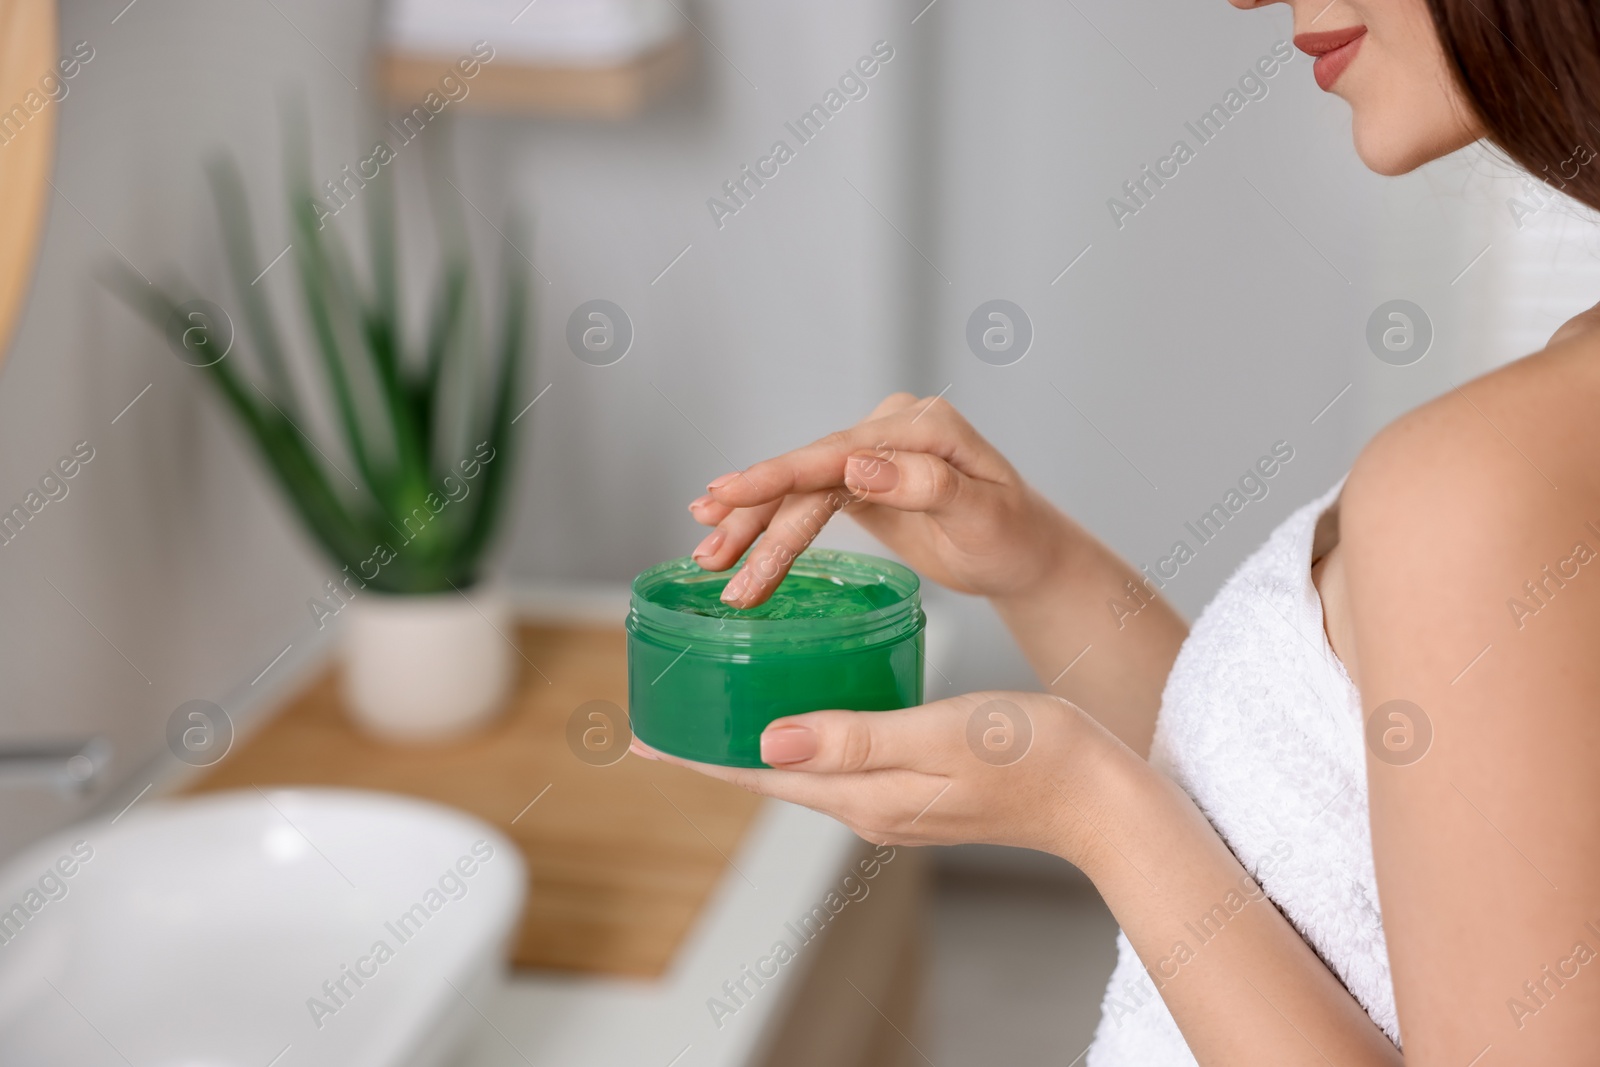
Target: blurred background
[[1171, 346]]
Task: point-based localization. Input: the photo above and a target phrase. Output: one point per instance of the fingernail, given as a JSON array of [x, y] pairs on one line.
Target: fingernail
[[712, 487], [733, 592], [633, 747], [699, 502], [871, 473], [710, 545], [788, 744]]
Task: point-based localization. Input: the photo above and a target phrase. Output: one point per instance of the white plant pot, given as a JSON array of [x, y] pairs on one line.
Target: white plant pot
[[426, 668]]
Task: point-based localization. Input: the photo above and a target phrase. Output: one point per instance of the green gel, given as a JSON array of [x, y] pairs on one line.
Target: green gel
[[807, 596], [843, 630]]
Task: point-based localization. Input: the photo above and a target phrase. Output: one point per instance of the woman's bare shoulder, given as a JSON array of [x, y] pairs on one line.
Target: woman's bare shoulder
[[1508, 454], [1454, 508]]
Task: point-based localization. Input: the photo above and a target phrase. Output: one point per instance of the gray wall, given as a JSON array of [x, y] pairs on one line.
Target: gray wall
[[176, 574], [787, 321], [1218, 320]]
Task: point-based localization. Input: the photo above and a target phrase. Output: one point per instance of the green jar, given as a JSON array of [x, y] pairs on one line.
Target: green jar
[[843, 630]]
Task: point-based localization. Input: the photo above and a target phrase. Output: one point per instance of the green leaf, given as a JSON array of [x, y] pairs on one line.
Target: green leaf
[[399, 419], [319, 293], [500, 429], [245, 265]]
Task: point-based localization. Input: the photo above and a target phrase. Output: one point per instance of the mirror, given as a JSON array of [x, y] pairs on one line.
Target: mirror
[[27, 145]]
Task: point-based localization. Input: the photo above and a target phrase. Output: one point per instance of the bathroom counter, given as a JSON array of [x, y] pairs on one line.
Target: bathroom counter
[[858, 973]]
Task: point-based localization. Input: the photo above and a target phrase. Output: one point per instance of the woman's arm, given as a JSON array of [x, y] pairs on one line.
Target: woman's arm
[[1255, 995], [1472, 555], [922, 480], [1113, 664]]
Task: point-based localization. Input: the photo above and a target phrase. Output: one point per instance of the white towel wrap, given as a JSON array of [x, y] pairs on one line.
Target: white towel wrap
[[1261, 725]]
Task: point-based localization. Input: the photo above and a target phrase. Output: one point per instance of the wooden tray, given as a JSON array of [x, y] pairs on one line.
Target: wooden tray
[[621, 857]]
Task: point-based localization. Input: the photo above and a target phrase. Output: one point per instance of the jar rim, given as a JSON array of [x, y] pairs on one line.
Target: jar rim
[[853, 568]]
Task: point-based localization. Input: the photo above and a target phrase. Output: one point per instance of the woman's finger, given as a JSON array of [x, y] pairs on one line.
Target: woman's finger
[[884, 493], [707, 512], [756, 780], [821, 465], [790, 530], [892, 403], [892, 795], [928, 740], [910, 482], [722, 547], [925, 739], [767, 782]]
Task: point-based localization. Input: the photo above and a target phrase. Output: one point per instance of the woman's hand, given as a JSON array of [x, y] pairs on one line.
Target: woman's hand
[[1031, 770], [915, 474], [1022, 769], [926, 484]]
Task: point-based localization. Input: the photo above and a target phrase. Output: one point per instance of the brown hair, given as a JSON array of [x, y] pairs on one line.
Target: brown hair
[[1530, 69]]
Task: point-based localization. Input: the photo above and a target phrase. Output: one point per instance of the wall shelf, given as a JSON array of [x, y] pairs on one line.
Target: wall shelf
[[610, 92]]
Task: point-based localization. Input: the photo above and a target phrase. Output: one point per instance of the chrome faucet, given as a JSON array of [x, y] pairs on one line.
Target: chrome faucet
[[73, 768]]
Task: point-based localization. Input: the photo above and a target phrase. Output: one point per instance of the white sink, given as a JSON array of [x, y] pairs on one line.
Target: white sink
[[200, 933]]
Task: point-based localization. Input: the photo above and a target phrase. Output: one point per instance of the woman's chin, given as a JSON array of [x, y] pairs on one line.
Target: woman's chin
[[1390, 145], [1386, 151]]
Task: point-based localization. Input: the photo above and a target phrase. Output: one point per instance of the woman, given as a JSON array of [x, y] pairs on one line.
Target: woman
[[1370, 807]]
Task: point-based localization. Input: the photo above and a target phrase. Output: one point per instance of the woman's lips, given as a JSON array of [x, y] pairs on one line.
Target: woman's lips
[[1333, 49]]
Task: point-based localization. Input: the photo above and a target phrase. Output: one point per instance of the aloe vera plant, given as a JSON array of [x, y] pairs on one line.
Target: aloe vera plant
[[427, 425]]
